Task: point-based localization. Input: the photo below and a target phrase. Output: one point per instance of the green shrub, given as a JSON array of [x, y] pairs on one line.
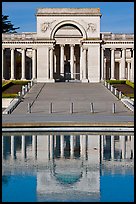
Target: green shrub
[[6, 85], [129, 95], [4, 95], [116, 81], [129, 83], [20, 82]]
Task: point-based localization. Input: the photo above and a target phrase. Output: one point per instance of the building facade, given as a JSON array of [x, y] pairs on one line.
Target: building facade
[[68, 45]]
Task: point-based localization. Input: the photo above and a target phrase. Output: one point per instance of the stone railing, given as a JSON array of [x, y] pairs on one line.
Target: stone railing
[[117, 36], [19, 36], [15, 101]]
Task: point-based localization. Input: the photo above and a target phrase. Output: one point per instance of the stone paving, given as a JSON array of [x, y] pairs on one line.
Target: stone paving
[[63, 94]]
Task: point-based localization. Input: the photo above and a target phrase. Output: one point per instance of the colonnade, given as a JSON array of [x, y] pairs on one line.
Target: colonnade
[[51, 68], [23, 63], [83, 63], [125, 146], [122, 64], [126, 151]]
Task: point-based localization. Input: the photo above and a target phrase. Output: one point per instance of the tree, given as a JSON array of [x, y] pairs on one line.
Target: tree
[[7, 26]]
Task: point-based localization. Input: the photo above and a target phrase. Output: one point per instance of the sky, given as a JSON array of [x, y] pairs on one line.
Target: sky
[[117, 17]]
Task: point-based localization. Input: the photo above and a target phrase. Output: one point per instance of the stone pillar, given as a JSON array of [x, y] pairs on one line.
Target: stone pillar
[[112, 63], [62, 60], [123, 64], [81, 71], [23, 147], [132, 145], [112, 146], [128, 70], [34, 64], [2, 146], [34, 146], [13, 152], [3, 63], [23, 64], [12, 64], [51, 63], [72, 60], [84, 65], [55, 61], [102, 64], [123, 146], [71, 146], [104, 71], [102, 147], [132, 67], [51, 147], [62, 145], [83, 146]]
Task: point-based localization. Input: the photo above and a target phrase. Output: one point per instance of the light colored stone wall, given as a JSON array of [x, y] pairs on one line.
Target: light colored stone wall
[[94, 63]]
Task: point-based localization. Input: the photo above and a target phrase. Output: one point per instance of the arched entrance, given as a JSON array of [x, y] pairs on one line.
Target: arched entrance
[[67, 52]]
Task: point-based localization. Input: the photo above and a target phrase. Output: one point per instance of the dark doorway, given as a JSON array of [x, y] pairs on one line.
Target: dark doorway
[[67, 73]]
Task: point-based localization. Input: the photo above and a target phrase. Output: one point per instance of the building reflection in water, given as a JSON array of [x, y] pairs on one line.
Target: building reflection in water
[[64, 162]]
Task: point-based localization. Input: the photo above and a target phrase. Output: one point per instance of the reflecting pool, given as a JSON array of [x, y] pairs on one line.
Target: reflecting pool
[[63, 167]]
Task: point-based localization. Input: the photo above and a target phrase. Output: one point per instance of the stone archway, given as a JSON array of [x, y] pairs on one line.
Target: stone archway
[[67, 50]]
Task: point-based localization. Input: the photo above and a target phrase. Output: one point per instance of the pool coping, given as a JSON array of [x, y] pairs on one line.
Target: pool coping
[[67, 126]]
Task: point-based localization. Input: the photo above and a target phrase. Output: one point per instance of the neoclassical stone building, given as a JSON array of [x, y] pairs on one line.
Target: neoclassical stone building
[[68, 45]]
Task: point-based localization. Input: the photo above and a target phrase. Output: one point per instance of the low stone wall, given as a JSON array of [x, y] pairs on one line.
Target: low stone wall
[[6, 102]]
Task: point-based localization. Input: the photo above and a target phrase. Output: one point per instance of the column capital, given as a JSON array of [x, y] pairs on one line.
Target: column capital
[[13, 48], [103, 48], [23, 49], [123, 48], [72, 45], [85, 48], [62, 45], [51, 47], [34, 48], [112, 48]]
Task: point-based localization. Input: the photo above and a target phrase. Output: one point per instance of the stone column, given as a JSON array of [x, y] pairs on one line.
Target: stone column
[[55, 61], [72, 60], [51, 63], [102, 64], [34, 64], [13, 152], [128, 70], [12, 64], [23, 64], [62, 60], [112, 146], [83, 146], [112, 63], [51, 147], [102, 147], [132, 145], [23, 147], [3, 57], [34, 146], [104, 71], [123, 146], [62, 145], [71, 146], [81, 71], [84, 65], [123, 64], [132, 67]]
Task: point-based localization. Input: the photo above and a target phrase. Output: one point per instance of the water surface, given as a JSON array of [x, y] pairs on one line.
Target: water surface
[[68, 167]]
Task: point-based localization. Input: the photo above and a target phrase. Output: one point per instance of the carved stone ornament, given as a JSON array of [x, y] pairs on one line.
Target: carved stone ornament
[[45, 26], [92, 27]]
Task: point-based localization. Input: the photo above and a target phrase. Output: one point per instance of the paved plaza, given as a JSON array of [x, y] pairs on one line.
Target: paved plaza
[[62, 95]]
